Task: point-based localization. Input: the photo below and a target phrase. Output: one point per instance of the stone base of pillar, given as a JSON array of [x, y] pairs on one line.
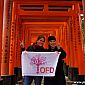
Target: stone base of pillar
[[18, 73], [1, 81], [73, 73], [81, 80], [9, 79]]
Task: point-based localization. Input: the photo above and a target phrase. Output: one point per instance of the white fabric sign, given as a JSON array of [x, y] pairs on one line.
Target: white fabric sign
[[39, 63]]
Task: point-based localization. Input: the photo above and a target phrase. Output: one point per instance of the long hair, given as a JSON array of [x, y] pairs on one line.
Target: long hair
[[41, 36]]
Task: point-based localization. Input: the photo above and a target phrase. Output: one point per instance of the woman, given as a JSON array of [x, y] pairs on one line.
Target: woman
[[59, 78], [36, 47]]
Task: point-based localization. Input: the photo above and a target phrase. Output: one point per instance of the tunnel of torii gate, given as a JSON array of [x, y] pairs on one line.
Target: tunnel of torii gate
[[24, 20]]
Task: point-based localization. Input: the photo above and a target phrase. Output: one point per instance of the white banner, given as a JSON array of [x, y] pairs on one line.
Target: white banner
[[39, 63]]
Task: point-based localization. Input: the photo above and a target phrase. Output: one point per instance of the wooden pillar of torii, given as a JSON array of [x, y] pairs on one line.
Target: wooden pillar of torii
[[1, 26], [79, 43], [6, 32], [17, 52], [83, 2], [66, 40], [12, 43], [6, 37], [71, 42]]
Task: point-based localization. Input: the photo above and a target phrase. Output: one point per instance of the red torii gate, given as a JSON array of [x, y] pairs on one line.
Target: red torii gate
[[73, 46]]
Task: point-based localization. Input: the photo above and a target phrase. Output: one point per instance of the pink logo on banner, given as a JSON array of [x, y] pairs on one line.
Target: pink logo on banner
[[38, 60]]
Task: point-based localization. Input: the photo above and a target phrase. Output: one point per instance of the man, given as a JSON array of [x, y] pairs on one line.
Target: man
[[59, 78]]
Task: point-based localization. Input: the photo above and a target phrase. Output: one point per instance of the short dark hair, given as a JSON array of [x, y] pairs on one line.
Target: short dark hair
[[51, 38], [41, 36]]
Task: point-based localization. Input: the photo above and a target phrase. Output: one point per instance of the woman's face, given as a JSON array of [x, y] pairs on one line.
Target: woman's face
[[52, 43], [40, 42]]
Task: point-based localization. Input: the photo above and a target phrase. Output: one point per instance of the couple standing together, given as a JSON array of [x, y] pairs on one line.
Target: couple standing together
[[59, 78]]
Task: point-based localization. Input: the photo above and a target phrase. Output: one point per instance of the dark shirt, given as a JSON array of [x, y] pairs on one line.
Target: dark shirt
[[59, 78], [34, 48]]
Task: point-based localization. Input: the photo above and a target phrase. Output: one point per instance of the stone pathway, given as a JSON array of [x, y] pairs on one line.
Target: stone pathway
[[68, 82]]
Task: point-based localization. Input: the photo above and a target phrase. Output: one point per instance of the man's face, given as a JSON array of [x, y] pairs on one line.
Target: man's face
[[52, 43], [40, 42]]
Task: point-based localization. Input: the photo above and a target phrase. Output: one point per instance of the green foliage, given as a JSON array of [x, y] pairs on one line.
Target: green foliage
[[83, 28]]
